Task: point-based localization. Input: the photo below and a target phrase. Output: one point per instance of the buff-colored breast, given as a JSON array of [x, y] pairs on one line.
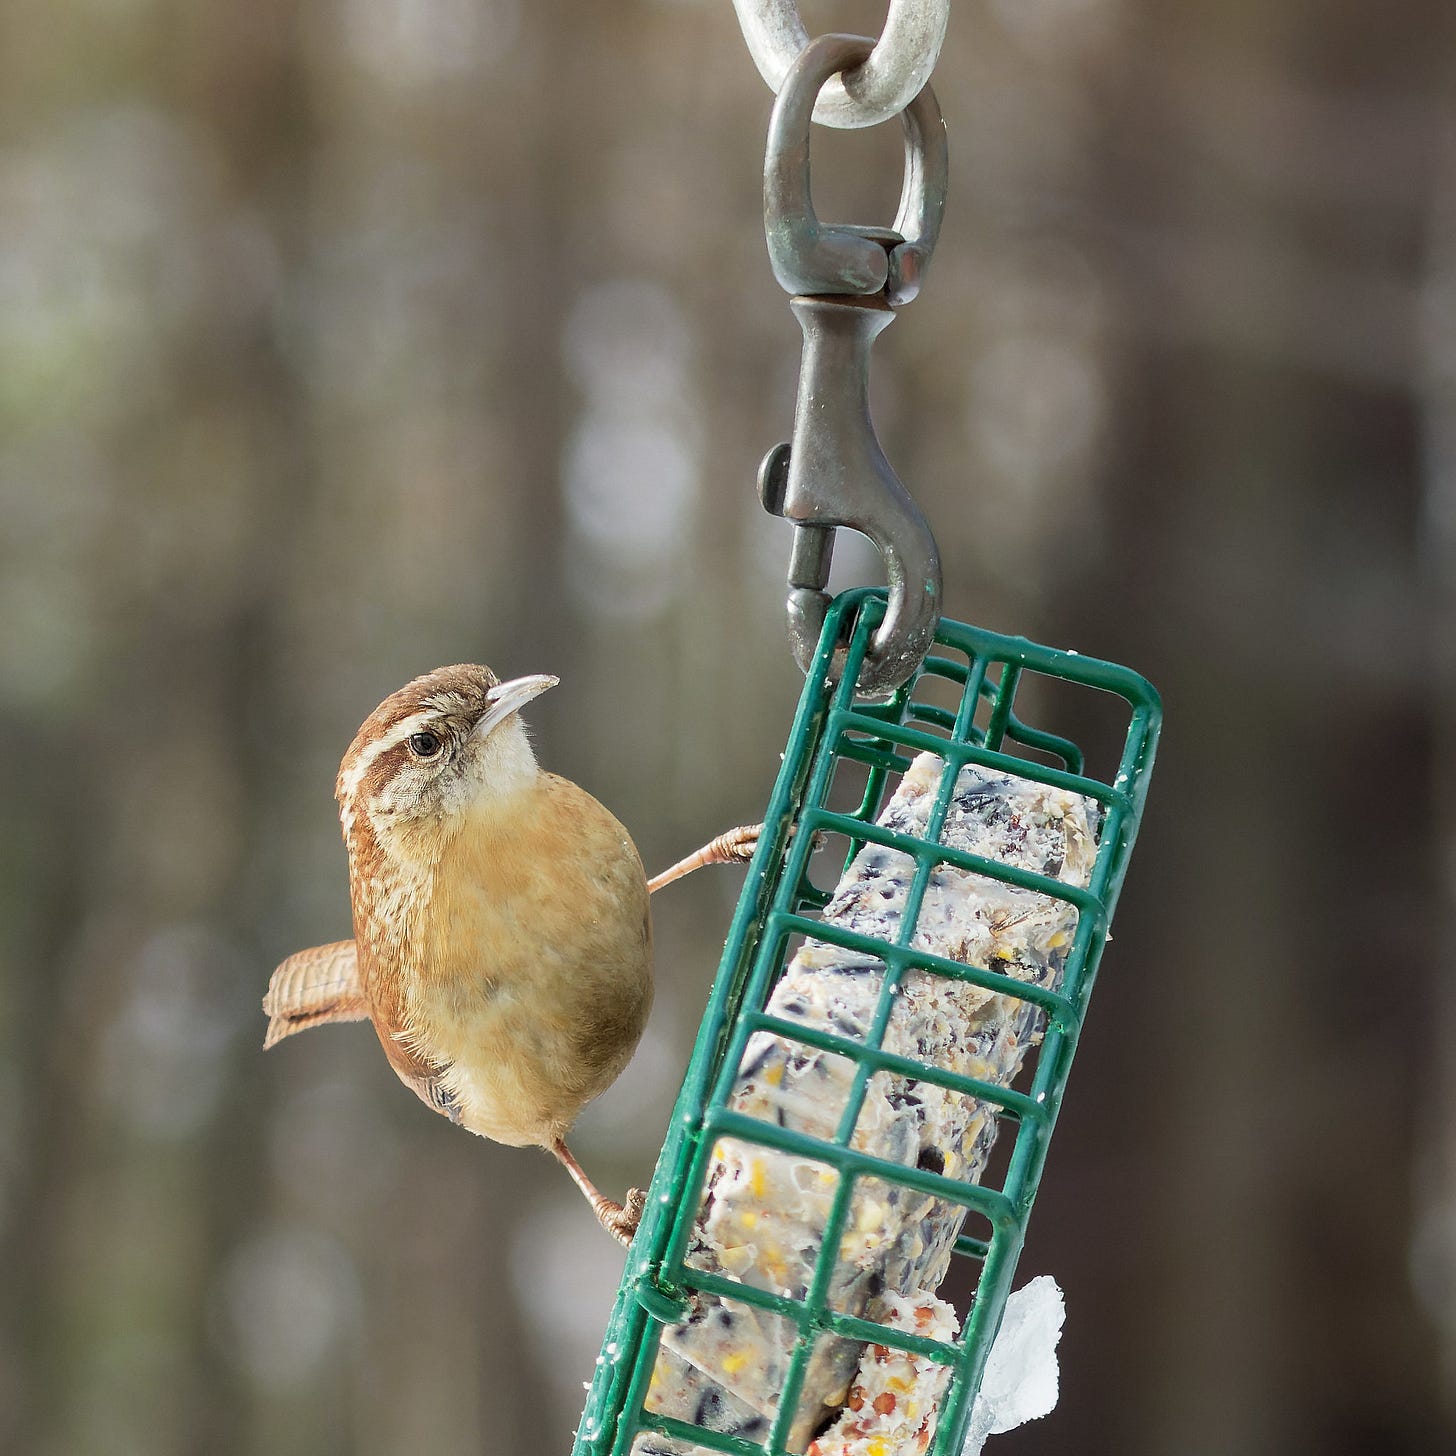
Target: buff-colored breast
[[532, 975]]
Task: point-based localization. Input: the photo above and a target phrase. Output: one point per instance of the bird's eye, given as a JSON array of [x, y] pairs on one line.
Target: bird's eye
[[425, 745]]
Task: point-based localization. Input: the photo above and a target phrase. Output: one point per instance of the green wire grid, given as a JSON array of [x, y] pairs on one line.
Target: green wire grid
[[779, 902]]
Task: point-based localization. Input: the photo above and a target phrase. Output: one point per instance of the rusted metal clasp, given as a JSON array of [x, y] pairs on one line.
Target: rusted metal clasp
[[846, 280]]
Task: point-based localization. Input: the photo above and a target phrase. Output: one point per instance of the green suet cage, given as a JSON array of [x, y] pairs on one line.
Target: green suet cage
[[975, 701]]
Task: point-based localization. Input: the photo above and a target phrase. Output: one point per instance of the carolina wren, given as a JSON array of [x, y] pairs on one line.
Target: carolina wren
[[502, 938]]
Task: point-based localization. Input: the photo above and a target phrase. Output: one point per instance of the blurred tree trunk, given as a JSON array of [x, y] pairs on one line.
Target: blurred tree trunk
[[1433, 1252], [1263, 504]]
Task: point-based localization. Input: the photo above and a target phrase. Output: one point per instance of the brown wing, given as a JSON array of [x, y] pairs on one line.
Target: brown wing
[[314, 986]]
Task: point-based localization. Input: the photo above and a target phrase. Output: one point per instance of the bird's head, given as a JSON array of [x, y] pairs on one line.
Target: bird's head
[[444, 745]]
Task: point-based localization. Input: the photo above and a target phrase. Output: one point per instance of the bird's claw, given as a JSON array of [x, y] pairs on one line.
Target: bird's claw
[[740, 845], [621, 1220]]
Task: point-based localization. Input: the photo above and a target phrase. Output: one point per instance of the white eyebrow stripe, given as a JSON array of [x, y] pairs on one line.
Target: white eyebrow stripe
[[353, 776]]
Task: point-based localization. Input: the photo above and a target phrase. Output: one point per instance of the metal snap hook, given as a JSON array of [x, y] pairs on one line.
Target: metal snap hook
[[809, 256], [846, 280], [834, 473]]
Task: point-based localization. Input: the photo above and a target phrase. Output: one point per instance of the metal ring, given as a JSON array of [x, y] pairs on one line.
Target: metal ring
[[811, 257], [897, 68]]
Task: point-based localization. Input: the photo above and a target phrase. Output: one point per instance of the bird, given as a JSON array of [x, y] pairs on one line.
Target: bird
[[502, 941]]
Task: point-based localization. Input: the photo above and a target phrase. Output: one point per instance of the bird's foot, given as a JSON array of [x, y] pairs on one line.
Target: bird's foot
[[618, 1219], [621, 1220], [734, 847], [737, 846]]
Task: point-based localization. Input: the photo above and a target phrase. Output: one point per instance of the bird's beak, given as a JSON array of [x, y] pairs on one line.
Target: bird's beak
[[504, 698]]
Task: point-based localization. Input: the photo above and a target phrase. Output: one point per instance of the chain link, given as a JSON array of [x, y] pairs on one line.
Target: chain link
[[882, 87]]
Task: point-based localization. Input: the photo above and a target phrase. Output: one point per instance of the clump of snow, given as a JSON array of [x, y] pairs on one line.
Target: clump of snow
[[1020, 1382]]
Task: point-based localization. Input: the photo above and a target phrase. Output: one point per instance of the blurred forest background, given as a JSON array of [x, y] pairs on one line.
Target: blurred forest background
[[344, 338]]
